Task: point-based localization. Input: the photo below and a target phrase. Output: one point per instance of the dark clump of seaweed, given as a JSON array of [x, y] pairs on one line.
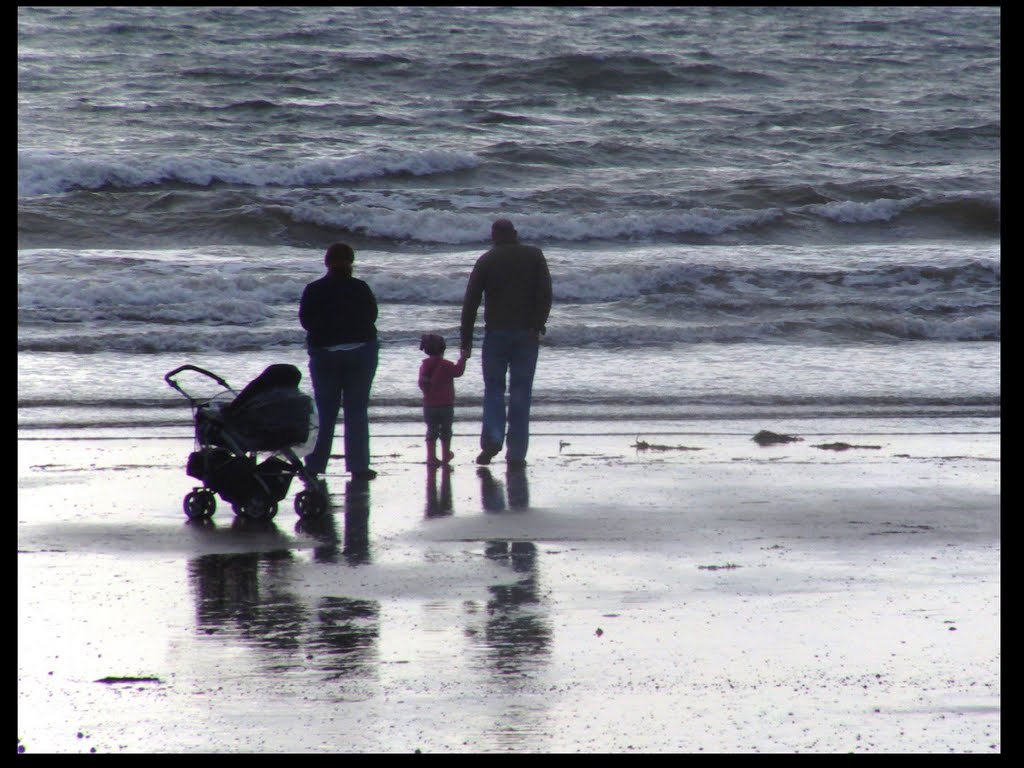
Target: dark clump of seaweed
[[764, 437], [643, 445], [843, 446]]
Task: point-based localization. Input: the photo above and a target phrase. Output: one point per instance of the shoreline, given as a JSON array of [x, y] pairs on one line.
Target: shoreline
[[735, 598]]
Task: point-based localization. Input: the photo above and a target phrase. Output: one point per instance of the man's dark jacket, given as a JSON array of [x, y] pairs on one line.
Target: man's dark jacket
[[515, 284]]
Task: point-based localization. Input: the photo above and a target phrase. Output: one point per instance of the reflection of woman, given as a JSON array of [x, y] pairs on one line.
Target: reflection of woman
[[339, 314], [356, 544], [357, 522], [321, 528]]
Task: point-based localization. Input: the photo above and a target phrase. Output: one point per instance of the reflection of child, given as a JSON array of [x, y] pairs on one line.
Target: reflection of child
[[436, 381]]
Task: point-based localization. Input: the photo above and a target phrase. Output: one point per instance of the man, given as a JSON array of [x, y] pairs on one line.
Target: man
[[339, 314], [514, 282]]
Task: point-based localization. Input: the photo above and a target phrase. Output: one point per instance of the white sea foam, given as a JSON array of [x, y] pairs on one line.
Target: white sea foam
[[238, 299], [850, 212], [48, 172], [457, 228]]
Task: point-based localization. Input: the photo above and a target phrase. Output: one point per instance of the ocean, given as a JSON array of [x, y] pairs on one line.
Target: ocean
[[754, 217]]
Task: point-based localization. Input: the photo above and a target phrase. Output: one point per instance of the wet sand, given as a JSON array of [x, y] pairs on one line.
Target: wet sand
[[608, 598]]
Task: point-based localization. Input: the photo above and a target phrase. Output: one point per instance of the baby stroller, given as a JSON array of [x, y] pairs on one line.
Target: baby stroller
[[270, 415]]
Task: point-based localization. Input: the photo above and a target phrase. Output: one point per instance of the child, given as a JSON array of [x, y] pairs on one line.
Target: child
[[436, 381]]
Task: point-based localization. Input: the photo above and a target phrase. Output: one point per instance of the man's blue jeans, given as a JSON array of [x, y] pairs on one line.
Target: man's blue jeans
[[512, 354], [341, 381]]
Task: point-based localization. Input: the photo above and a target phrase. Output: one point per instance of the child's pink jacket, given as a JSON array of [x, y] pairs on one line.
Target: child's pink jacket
[[437, 377]]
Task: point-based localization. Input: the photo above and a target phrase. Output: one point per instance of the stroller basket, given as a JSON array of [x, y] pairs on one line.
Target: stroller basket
[[240, 478]]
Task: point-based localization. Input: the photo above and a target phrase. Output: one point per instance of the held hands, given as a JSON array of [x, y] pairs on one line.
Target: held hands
[[467, 352]]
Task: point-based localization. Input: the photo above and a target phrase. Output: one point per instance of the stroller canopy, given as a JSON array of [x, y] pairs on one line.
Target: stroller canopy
[[271, 413], [279, 375]]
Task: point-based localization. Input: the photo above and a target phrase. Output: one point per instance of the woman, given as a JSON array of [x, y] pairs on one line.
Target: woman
[[339, 314]]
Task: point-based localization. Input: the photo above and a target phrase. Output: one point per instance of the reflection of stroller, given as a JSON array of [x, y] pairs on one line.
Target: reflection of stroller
[[269, 415]]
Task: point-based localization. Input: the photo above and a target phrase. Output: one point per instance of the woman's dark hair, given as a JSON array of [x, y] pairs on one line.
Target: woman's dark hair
[[339, 257]]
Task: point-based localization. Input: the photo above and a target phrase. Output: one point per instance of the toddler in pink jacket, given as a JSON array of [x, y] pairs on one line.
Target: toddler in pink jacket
[[437, 381]]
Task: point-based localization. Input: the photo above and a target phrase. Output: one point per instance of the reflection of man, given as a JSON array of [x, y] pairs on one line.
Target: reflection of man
[[515, 285], [521, 557], [494, 497], [492, 494], [517, 632], [518, 490]]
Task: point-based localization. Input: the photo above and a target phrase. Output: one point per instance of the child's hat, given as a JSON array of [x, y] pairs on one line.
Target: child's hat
[[432, 343]]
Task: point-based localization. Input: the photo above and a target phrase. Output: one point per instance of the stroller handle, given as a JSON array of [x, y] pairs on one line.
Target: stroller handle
[[169, 376]]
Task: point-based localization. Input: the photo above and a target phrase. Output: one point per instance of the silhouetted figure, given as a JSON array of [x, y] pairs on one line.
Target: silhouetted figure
[[514, 283], [437, 381], [339, 314]]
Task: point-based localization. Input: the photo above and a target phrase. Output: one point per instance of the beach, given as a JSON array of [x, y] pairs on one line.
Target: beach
[[678, 592], [757, 219]]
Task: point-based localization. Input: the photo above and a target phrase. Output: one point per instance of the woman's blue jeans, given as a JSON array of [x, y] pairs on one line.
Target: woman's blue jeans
[[341, 381], [511, 354]]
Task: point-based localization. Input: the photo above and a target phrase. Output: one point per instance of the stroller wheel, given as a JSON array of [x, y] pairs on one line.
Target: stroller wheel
[[200, 504], [310, 504], [256, 509]]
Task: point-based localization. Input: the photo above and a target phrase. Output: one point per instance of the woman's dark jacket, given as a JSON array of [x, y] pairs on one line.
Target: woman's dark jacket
[[337, 309]]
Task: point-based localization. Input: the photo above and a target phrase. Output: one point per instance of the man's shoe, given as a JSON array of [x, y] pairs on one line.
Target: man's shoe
[[366, 474], [487, 454], [515, 463]]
